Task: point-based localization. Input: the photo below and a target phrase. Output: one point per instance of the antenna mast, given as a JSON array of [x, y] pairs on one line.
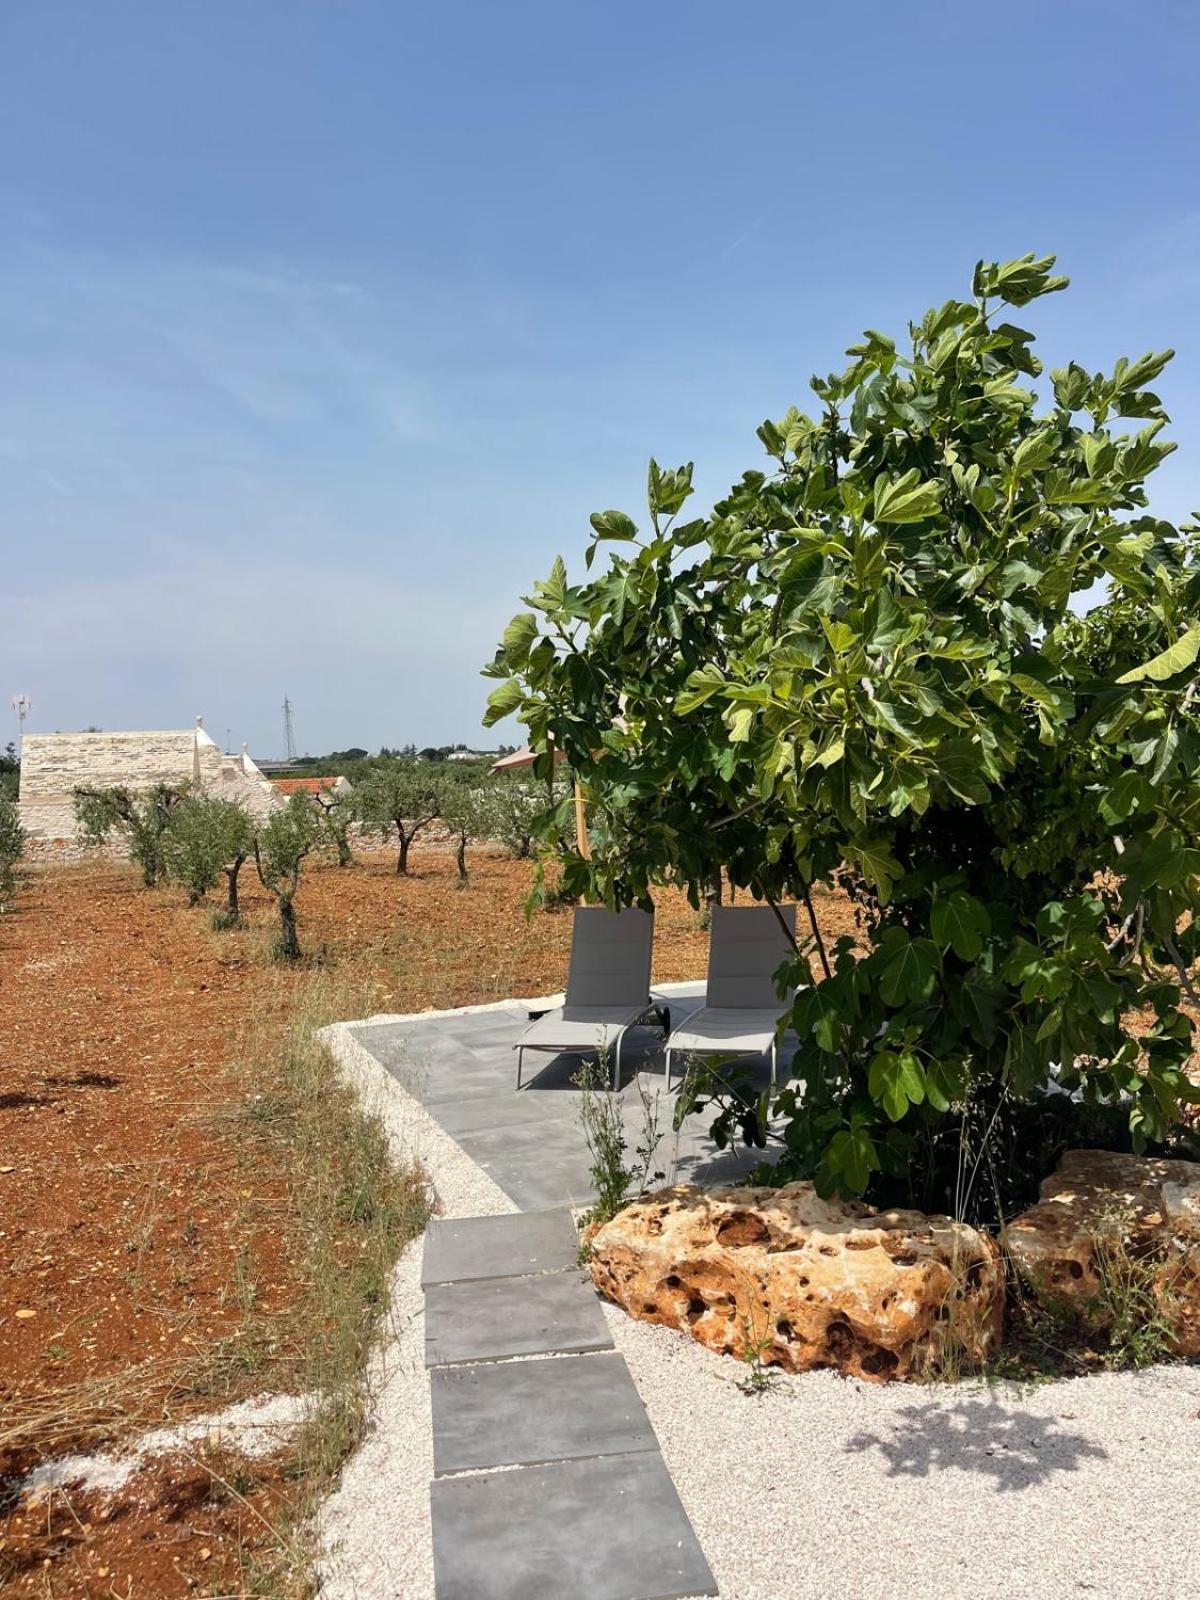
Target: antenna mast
[[289, 733], [22, 705]]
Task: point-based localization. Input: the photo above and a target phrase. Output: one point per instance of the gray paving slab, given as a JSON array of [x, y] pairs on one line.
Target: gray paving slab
[[608, 1528], [534, 1185], [547, 1139], [474, 1249], [521, 1413], [488, 1028], [504, 1109], [504, 1317]]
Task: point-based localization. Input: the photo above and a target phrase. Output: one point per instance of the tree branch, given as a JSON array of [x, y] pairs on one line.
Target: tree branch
[[1185, 980], [817, 935]]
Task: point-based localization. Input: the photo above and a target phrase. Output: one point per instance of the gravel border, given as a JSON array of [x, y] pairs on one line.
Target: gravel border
[[823, 1485]]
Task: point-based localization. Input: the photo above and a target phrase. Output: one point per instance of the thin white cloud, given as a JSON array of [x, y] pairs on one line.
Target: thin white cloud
[[367, 657]]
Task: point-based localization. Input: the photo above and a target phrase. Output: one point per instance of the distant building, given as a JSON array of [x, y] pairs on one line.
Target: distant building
[[54, 765], [289, 786], [472, 755]]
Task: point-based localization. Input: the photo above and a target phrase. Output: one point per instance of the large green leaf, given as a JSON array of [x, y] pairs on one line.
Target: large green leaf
[[1168, 662], [909, 975], [896, 1081], [503, 701], [613, 525], [699, 689], [959, 922], [906, 498], [519, 636]]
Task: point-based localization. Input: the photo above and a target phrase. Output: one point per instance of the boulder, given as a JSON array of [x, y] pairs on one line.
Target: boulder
[[1100, 1207], [800, 1282]]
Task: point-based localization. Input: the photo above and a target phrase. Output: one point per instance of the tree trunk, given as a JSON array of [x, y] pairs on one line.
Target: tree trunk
[[716, 892], [460, 859], [289, 944], [232, 908], [402, 858], [345, 858]]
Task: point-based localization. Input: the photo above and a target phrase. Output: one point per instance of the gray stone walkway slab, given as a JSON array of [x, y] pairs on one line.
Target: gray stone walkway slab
[[463, 1249], [531, 1143], [609, 1528], [493, 1321], [503, 1109], [522, 1413]]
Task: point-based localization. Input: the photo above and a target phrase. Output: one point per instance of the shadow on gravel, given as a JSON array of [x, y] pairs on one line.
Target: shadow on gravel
[[1014, 1448]]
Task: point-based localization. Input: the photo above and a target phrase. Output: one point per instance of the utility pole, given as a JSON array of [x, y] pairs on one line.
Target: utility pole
[[22, 705], [289, 733]]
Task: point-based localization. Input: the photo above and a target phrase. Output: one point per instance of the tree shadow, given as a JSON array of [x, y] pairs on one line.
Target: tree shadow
[[85, 1080], [1017, 1449], [17, 1099]]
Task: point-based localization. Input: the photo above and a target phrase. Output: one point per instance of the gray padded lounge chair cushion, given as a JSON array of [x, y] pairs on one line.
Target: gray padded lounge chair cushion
[[746, 948], [610, 959]]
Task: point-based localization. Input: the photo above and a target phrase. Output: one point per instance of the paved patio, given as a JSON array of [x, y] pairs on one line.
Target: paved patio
[[462, 1069]]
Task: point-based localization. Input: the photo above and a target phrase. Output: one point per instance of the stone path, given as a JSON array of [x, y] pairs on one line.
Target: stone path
[[548, 1480], [460, 1066]]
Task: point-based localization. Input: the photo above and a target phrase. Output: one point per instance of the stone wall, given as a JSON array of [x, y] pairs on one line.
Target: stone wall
[[53, 765]]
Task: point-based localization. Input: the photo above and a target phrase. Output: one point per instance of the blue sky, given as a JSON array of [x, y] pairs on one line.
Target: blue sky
[[324, 326]]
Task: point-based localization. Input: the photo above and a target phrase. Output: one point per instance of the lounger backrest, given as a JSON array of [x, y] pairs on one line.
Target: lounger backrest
[[610, 958], [746, 947]]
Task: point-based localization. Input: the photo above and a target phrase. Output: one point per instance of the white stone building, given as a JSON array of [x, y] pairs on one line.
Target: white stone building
[[53, 765]]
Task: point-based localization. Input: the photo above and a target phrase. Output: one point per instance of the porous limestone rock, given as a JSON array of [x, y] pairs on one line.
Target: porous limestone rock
[[1099, 1201], [802, 1282]]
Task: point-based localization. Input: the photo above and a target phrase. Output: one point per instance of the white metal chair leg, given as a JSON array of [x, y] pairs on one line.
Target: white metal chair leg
[[520, 1053], [667, 1053], [774, 1062], [617, 1064]]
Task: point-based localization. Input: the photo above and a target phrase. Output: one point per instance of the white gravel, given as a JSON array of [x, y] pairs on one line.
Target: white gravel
[[254, 1428], [822, 1486], [375, 1527]]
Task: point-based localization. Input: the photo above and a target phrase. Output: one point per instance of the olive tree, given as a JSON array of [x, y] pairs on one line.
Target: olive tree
[[464, 815], [400, 794], [511, 808], [206, 839], [12, 847], [336, 808], [142, 818], [280, 847], [874, 665]]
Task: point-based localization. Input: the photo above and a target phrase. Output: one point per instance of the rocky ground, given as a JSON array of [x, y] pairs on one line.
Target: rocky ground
[[136, 1234]]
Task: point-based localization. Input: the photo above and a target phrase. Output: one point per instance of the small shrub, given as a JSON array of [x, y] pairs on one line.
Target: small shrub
[[615, 1182], [12, 847]]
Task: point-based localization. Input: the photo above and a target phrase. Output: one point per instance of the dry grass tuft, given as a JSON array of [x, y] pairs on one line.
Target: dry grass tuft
[[355, 1212]]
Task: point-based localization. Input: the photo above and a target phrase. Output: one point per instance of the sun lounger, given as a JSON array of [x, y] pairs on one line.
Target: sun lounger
[[746, 947], [608, 990]]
